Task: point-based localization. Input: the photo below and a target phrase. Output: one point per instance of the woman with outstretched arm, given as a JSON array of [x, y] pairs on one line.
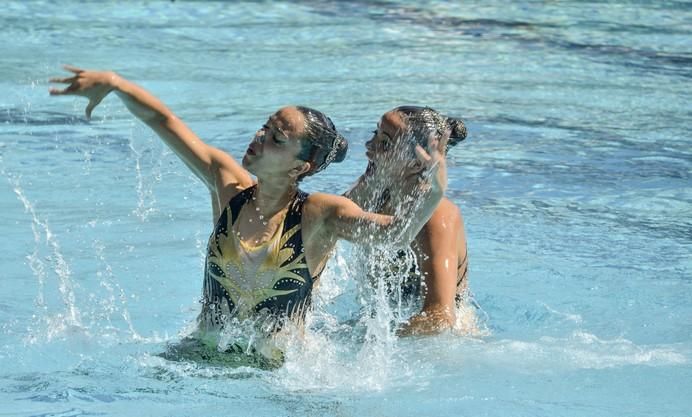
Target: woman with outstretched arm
[[270, 240]]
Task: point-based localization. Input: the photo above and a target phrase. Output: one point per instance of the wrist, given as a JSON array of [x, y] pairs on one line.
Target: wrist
[[113, 80]]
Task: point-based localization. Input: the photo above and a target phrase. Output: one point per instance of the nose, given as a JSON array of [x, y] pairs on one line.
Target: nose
[[259, 136]]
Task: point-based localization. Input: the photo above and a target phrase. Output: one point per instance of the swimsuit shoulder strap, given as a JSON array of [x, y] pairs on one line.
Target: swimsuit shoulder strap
[[292, 236], [295, 210]]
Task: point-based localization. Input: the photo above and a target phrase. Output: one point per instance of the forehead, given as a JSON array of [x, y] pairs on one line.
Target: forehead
[[289, 121], [392, 123]]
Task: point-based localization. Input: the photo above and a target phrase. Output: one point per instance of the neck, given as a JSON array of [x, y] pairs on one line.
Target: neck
[[272, 197], [376, 178]]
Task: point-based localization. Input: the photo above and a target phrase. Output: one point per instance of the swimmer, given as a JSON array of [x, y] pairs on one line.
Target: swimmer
[[440, 247], [270, 240]]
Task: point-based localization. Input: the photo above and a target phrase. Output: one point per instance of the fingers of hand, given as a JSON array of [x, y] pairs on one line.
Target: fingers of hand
[[442, 143], [430, 162], [433, 142], [422, 155], [413, 167], [66, 80], [63, 80], [58, 92], [73, 69]]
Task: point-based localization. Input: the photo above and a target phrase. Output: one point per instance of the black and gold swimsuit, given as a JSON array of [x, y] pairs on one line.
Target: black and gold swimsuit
[[243, 281]]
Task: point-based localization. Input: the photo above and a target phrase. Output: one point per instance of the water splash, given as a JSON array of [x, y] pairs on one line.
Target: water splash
[[70, 318], [146, 199], [115, 302], [348, 343]]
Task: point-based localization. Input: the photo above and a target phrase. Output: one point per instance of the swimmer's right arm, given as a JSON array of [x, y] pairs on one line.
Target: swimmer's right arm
[[208, 163]]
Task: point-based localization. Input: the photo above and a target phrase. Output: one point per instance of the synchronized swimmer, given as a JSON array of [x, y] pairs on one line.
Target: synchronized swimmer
[[270, 240], [440, 279]]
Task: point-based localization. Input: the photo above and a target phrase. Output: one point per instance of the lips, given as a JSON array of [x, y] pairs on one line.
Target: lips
[[251, 150]]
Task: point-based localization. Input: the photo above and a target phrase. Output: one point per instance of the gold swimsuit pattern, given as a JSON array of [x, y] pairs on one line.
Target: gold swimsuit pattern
[[244, 281]]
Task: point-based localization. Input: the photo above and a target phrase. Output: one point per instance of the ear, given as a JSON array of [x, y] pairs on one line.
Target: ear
[[300, 169]]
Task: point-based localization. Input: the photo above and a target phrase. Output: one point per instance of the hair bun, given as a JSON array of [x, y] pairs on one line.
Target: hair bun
[[457, 131], [341, 149]]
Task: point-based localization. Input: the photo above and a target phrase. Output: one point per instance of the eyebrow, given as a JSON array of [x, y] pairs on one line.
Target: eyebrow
[[275, 128], [383, 132]]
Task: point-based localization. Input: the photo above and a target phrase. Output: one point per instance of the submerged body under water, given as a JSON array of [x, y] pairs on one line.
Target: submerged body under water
[[574, 183]]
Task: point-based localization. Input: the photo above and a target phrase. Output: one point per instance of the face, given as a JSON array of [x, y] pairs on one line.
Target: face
[[387, 149], [274, 148]]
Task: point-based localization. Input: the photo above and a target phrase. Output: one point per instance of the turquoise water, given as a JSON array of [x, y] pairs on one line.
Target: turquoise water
[[574, 183]]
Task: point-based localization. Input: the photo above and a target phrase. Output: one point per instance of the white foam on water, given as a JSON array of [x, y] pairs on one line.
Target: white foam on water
[[161, 368], [580, 350], [339, 360], [336, 352]]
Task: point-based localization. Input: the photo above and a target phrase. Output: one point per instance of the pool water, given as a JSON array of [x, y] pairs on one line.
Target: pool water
[[574, 183]]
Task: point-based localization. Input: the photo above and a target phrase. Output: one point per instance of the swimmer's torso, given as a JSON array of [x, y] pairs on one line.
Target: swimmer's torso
[[244, 281]]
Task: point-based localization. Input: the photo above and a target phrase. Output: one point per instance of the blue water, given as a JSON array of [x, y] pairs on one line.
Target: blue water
[[574, 184]]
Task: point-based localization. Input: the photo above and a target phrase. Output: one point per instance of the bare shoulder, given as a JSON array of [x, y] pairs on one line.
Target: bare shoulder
[[446, 214]]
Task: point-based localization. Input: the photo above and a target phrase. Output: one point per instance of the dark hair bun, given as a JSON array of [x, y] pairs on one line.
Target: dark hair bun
[[342, 149], [457, 131]]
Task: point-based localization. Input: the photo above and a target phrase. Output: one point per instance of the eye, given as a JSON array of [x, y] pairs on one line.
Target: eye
[[386, 145]]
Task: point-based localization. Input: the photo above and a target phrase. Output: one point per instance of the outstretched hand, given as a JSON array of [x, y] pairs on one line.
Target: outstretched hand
[[429, 168], [94, 85]]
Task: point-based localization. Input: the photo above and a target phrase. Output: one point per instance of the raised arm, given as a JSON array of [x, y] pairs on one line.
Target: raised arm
[[208, 163]]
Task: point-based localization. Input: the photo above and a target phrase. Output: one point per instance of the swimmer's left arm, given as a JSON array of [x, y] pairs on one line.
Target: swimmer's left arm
[[437, 245]]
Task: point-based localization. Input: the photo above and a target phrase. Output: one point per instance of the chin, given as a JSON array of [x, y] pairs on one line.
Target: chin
[[371, 167]]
